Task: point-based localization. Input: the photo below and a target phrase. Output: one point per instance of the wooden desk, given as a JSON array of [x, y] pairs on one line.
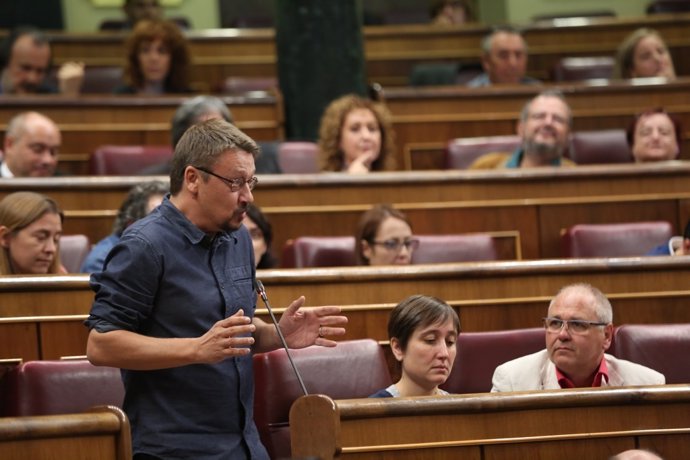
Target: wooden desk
[[537, 204], [41, 317], [87, 122], [425, 119], [584, 423], [103, 433], [391, 52]]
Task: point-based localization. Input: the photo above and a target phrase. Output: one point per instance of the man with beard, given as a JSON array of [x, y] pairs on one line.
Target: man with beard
[[31, 146], [174, 308], [25, 58], [544, 128]]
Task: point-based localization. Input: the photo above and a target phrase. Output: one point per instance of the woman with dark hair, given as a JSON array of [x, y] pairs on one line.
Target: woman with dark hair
[[356, 136], [30, 231], [423, 332], [654, 135], [158, 60], [384, 237], [141, 200], [644, 53], [262, 235]]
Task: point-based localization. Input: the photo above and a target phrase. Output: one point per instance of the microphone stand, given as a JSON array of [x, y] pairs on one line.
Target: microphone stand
[[262, 293]]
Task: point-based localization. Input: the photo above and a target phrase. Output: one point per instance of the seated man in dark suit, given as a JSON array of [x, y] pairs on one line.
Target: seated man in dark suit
[[202, 108], [578, 333], [31, 146]]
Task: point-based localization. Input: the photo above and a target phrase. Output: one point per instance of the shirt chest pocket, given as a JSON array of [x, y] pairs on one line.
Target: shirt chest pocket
[[238, 290]]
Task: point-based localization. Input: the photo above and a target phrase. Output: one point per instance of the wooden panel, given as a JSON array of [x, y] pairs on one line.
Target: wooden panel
[[19, 340], [587, 422], [100, 434], [61, 339]]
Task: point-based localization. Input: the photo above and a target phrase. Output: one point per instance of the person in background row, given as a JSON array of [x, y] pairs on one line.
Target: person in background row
[[30, 231], [384, 237], [356, 136], [643, 53], [450, 12], [25, 60], [141, 200], [636, 454], [31, 146], [202, 108], [579, 329], [141, 10], [544, 130], [504, 59], [158, 60], [655, 135], [262, 235], [423, 333], [676, 246]]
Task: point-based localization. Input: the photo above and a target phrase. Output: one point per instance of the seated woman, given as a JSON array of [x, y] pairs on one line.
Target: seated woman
[[141, 200], [384, 237], [30, 230], [158, 60], [356, 136], [423, 333], [654, 135], [262, 235], [644, 54]]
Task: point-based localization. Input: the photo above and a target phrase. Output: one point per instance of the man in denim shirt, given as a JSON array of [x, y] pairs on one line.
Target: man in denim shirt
[[174, 308]]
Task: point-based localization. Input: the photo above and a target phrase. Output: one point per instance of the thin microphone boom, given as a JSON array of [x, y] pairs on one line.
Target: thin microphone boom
[[262, 293]]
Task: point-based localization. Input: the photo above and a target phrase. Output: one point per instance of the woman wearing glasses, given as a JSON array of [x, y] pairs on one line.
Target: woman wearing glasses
[[423, 333], [384, 237]]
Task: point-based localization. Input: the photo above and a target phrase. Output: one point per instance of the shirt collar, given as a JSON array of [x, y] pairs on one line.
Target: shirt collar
[[193, 233], [600, 377], [5, 170]]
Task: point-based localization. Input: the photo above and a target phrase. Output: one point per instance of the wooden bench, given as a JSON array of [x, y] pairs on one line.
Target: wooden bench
[[87, 122], [41, 317], [535, 204], [584, 423], [100, 434], [391, 52]]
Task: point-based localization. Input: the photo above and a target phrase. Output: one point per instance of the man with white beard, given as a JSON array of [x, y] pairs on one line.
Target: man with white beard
[[544, 128]]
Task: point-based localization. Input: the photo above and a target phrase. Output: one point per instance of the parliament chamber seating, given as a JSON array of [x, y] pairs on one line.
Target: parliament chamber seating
[[127, 160], [298, 157], [479, 353], [59, 387], [628, 239], [603, 146], [73, 251], [234, 84], [461, 153], [338, 251], [353, 369], [663, 347], [583, 68]]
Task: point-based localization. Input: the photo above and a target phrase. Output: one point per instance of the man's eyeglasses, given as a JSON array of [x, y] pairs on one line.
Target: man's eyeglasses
[[396, 245], [576, 326], [234, 184]]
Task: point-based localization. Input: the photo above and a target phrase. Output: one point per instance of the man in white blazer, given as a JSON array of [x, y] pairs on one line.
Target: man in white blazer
[[578, 333]]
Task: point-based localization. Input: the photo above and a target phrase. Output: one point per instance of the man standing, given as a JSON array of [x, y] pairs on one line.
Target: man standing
[[25, 59], [544, 129], [504, 59], [31, 146], [174, 308], [578, 333]]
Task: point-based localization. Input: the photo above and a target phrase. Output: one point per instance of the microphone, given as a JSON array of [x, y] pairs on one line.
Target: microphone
[[262, 293]]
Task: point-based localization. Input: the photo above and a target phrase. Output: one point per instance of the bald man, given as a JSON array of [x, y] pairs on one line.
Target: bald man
[[32, 143]]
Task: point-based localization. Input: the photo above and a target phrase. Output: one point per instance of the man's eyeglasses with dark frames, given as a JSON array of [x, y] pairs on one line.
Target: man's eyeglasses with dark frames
[[234, 184], [576, 326], [396, 245]]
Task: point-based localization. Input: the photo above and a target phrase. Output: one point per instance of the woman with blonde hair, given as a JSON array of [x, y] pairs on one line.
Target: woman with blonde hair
[[356, 136], [158, 60], [30, 230], [644, 53]]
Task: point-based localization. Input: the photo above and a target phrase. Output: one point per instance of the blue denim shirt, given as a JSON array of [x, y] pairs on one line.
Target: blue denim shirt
[[167, 278], [96, 257]]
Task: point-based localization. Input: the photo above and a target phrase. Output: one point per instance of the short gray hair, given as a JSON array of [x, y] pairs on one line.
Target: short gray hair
[[191, 111], [602, 306], [524, 113], [488, 39]]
